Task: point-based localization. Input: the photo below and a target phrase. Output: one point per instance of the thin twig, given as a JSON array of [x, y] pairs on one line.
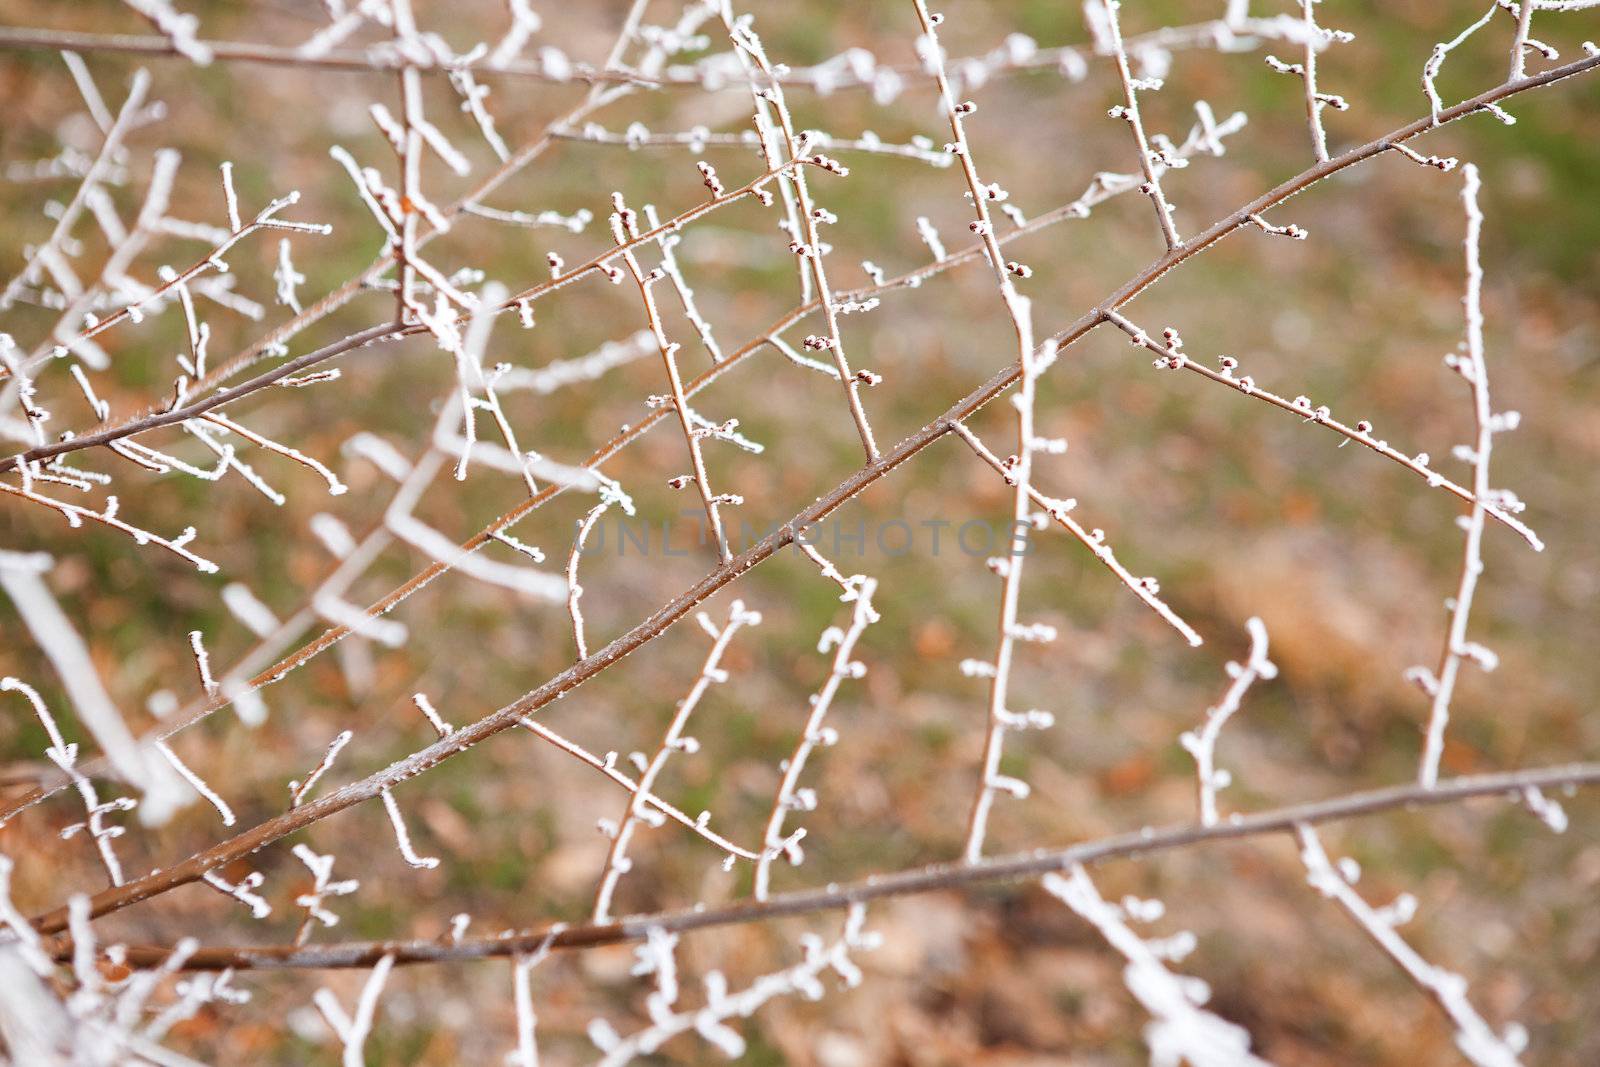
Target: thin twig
[[711, 673], [1471, 366], [1130, 112], [191, 869], [1361, 433]]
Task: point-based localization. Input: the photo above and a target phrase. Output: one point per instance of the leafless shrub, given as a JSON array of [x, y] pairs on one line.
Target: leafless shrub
[[68, 994]]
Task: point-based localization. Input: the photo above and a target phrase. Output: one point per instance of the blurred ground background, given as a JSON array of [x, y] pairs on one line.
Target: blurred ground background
[[1238, 509]]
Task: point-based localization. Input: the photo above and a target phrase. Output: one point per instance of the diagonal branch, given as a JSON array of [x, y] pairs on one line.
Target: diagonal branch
[[263, 834]]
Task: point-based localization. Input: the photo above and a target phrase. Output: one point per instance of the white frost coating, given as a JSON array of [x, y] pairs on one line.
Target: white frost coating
[[249, 610], [100, 1021], [527, 1050], [242, 892], [299, 790], [538, 584], [65, 756], [673, 740], [33, 1021], [1470, 364], [334, 535], [1550, 812], [454, 303], [525, 22], [1474, 1037], [380, 453], [402, 838], [322, 887], [163, 792], [202, 661], [858, 588], [476, 387], [352, 1031], [431, 713], [180, 30], [199, 783], [286, 277], [607, 766], [1180, 1031], [335, 486], [656, 957], [1202, 745]]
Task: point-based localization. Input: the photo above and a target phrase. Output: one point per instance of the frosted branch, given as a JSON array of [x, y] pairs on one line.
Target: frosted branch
[[1202, 744]]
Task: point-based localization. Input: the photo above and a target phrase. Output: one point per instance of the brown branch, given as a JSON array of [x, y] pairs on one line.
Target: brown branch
[[263, 834], [341, 296], [1060, 511], [387, 331], [680, 403], [356, 60], [938, 877], [353, 287], [621, 440], [1096, 194], [808, 245], [1366, 438], [349, 60], [172, 416], [1130, 111]]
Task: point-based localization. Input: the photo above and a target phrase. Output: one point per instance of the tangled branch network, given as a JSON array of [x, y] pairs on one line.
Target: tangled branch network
[[580, 315]]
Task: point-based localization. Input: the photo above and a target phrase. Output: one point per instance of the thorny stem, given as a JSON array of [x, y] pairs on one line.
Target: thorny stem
[[409, 151], [146, 227], [609, 769], [680, 285], [353, 1029], [75, 514], [1098, 192], [936, 878], [1430, 69], [1203, 745], [1060, 511], [1180, 1030], [580, 638], [352, 288], [697, 139], [383, 332], [174, 416], [1001, 718], [1103, 188], [265, 833]]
